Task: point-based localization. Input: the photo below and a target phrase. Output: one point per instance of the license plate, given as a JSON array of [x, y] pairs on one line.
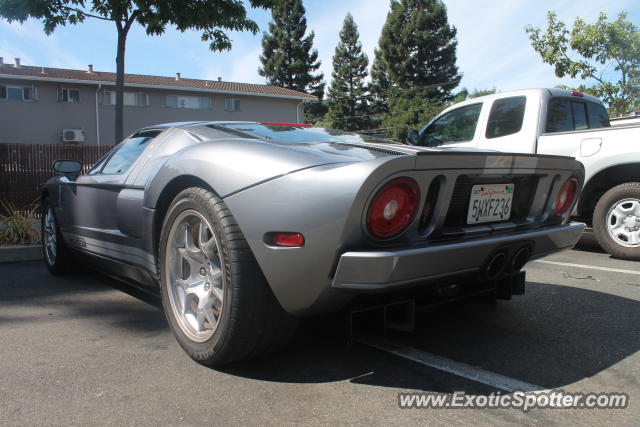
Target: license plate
[[490, 202]]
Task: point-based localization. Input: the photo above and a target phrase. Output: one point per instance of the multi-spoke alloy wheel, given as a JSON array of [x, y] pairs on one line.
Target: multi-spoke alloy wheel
[[49, 237], [55, 252], [194, 275], [616, 221], [623, 222], [217, 301]]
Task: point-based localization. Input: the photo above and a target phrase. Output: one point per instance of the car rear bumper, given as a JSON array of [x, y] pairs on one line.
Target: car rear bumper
[[383, 270]]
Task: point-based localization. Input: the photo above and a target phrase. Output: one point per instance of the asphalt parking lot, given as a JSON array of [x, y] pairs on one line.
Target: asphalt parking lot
[[85, 349]]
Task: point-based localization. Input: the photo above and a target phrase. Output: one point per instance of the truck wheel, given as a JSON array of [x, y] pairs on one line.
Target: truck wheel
[[56, 254], [616, 221], [215, 297]]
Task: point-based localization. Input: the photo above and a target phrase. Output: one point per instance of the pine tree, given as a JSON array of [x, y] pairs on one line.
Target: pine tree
[[347, 103], [379, 86], [415, 67], [288, 58]]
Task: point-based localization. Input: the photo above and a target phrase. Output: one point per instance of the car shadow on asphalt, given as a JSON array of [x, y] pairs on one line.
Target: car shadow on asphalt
[[552, 337], [29, 294], [589, 243]]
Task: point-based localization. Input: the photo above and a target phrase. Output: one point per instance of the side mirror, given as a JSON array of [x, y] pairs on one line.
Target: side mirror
[[413, 137], [67, 167]]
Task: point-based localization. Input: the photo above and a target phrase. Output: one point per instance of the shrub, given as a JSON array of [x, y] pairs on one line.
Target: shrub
[[18, 226]]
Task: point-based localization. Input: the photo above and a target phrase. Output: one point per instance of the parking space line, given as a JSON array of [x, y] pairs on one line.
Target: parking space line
[[591, 267], [457, 368]]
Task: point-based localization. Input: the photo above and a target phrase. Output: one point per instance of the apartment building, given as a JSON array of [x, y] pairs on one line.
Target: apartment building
[[56, 106]]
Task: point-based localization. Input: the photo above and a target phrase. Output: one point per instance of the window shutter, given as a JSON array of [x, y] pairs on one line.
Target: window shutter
[[60, 94]]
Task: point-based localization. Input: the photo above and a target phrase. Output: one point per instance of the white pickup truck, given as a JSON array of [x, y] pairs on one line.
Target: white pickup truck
[[560, 122]]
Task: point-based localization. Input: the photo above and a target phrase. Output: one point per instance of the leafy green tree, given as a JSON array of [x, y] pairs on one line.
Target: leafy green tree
[[347, 103], [415, 65], [606, 53], [211, 17], [288, 58]]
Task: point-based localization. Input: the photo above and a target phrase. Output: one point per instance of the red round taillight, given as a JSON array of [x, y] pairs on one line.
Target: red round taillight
[[393, 208], [565, 197]]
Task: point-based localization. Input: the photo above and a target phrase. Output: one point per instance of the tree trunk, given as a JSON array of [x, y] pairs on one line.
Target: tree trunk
[[119, 112]]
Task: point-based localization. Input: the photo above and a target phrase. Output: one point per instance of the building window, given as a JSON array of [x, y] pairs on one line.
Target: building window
[[134, 99], [232, 104], [17, 93], [69, 95], [189, 102]]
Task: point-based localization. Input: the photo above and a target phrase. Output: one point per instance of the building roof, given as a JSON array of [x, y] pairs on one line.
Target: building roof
[[140, 80]]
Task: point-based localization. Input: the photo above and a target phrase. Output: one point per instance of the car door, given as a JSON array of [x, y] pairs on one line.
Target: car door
[[90, 203]]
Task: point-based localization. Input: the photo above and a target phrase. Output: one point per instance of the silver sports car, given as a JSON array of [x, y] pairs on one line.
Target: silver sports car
[[242, 227]]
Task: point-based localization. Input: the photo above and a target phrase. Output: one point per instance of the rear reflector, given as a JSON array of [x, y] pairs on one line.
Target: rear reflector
[[287, 239]]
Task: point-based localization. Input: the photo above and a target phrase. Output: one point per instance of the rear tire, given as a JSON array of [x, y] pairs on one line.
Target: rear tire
[[616, 221], [56, 254], [215, 297]]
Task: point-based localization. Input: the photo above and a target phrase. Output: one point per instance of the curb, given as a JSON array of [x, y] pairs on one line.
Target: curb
[[20, 253]]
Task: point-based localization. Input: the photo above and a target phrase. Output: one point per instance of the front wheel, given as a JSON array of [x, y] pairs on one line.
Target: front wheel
[[216, 299], [616, 221], [55, 252]]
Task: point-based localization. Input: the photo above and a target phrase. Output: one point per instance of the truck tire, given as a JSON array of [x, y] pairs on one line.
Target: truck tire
[[56, 255], [215, 296], [616, 221]]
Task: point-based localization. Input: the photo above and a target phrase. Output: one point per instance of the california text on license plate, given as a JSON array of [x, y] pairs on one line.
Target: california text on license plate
[[490, 202]]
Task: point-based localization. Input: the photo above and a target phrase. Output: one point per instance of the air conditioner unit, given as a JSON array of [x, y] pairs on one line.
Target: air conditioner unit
[[72, 135]]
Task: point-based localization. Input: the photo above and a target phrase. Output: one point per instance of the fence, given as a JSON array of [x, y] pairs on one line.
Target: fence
[[25, 167]]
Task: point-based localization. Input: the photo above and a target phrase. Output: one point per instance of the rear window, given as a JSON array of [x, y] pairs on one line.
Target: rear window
[[559, 116], [296, 133], [506, 117], [565, 115], [598, 117], [579, 110]]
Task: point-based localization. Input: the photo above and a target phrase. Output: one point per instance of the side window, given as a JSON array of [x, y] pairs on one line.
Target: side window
[[95, 169], [598, 117], [456, 126], [559, 116], [127, 152], [579, 110], [506, 117]]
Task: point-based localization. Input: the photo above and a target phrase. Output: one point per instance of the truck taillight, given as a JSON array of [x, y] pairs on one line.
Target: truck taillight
[[577, 93], [565, 196], [393, 208]]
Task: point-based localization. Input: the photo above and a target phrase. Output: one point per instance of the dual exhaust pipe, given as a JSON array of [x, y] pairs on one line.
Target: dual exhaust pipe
[[501, 261]]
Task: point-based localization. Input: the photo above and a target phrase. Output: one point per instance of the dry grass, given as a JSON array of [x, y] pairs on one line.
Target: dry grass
[[18, 226]]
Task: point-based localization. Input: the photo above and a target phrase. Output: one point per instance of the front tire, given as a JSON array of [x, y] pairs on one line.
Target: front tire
[[215, 297], [616, 221], [56, 255]]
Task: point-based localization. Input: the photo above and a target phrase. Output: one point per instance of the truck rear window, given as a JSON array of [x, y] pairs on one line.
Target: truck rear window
[[565, 115], [598, 117], [506, 116]]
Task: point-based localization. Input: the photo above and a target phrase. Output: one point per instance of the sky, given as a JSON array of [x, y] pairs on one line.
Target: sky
[[493, 49]]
